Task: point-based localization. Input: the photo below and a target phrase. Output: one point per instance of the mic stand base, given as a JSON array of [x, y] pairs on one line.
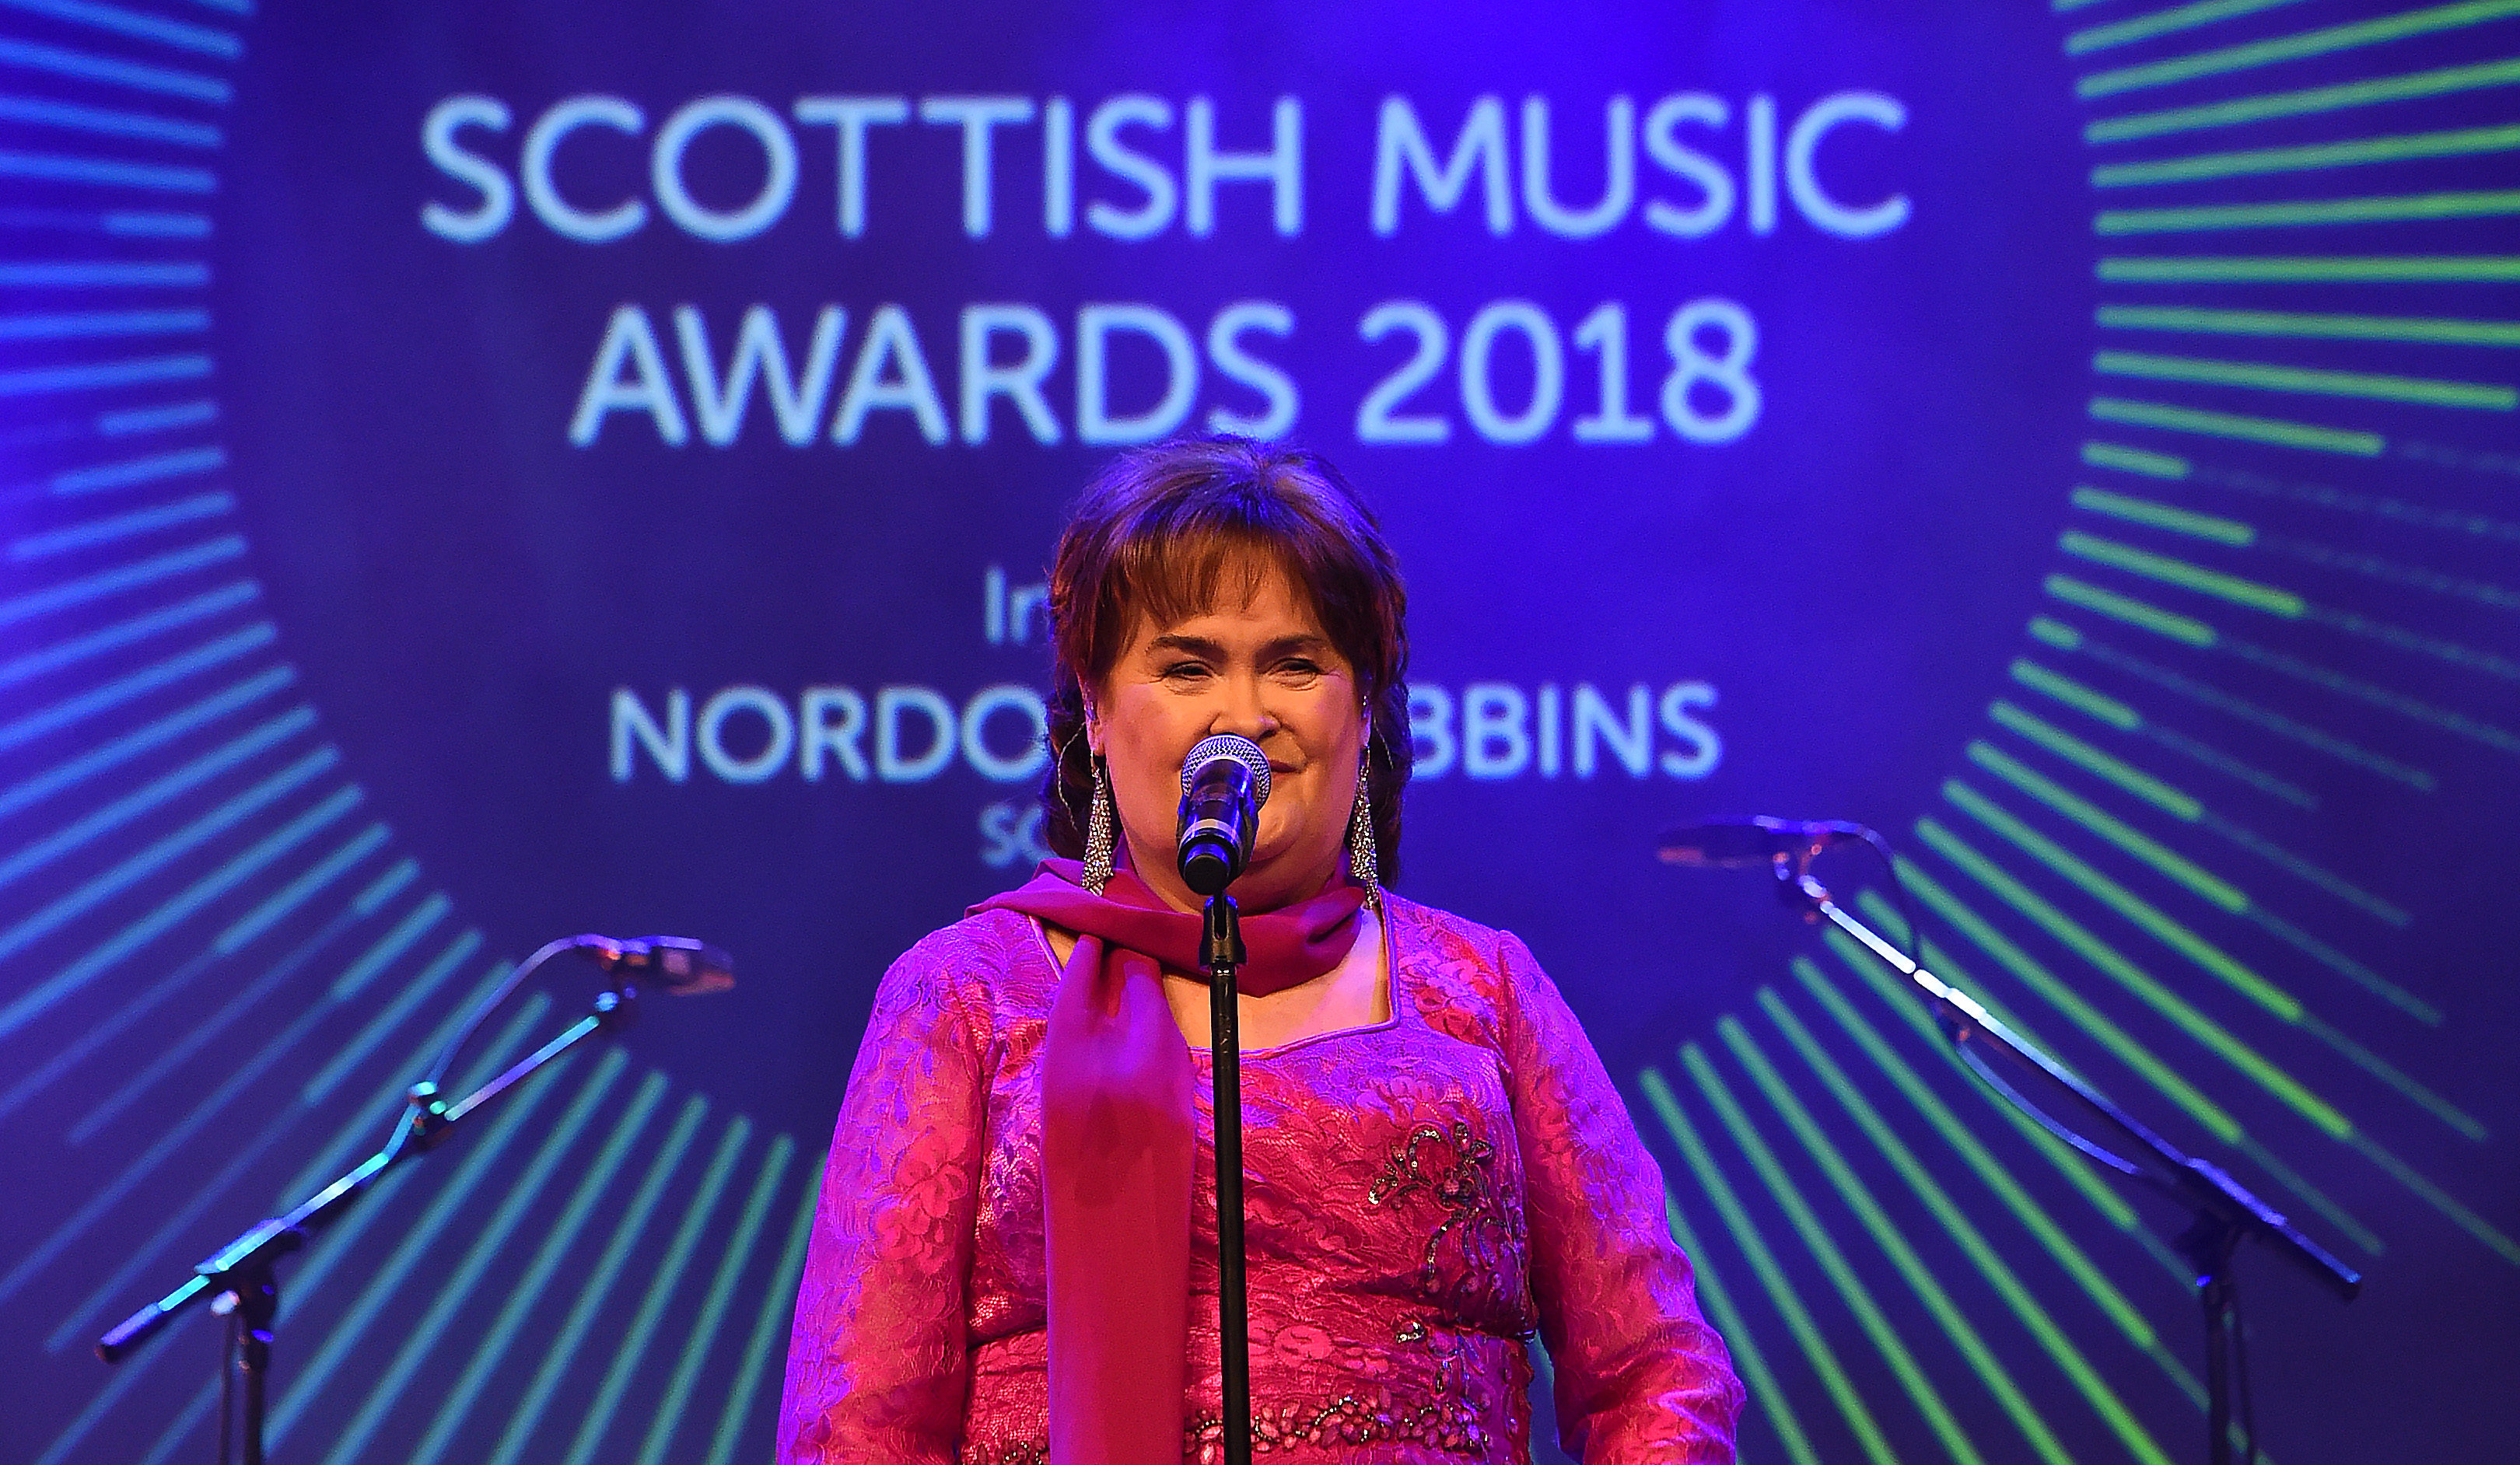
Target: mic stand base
[[1225, 957]]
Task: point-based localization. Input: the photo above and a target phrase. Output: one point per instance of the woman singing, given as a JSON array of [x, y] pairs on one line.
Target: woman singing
[[1015, 1259]]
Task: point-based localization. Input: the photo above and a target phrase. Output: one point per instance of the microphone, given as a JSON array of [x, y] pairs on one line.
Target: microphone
[[681, 966], [1737, 843], [1225, 780]]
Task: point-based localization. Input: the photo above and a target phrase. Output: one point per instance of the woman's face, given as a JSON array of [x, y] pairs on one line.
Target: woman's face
[[1263, 669]]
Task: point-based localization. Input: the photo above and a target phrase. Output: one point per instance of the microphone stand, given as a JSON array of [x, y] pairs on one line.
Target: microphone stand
[[241, 1277], [2226, 1214], [1225, 956]]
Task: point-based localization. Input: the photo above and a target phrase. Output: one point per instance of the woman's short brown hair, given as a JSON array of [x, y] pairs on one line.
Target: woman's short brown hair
[[1154, 535]]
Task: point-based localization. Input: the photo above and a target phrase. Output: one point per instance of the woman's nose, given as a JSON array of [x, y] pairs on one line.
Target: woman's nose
[[1245, 709]]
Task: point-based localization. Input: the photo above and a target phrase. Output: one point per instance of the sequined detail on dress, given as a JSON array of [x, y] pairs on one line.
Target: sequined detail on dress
[[1462, 1182]]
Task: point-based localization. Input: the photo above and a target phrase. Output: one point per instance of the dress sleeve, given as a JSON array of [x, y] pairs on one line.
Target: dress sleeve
[[878, 1363], [1639, 1374]]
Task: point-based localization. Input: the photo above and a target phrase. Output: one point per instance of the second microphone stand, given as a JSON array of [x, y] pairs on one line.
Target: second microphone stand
[[1223, 954], [2225, 1212]]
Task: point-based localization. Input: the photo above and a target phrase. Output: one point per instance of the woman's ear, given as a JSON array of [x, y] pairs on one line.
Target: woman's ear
[[1093, 729]]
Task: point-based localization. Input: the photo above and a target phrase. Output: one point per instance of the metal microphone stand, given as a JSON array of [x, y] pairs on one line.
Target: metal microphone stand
[[241, 1277], [2226, 1214], [1224, 955]]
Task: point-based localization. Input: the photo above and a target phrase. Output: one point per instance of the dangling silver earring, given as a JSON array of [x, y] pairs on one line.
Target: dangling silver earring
[[1360, 844], [1101, 831]]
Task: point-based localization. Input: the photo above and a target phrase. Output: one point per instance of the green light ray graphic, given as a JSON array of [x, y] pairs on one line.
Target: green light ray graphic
[[2054, 1239], [713, 1314], [778, 1311], [2224, 895], [492, 1349], [2439, 1199], [2158, 792], [659, 1290], [2323, 41], [1998, 1274], [2213, 889], [408, 1001], [1748, 1361], [2128, 459], [565, 1344], [2185, 574], [2267, 995], [2246, 711], [2189, 631], [385, 1281], [2452, 143], [2156, 515], [2180, 804], [1771, 1277], [1875, 1323], [1859, 1198], [2162, 22], [2307, 102], [2269, 376], [2310, 325], [2391, 572], [2080, 697], [2165, 1080], [2307, 269], [2182, 1014], [2168, 625], [370, 1123], [2296, 213], [458, 1289], [2279, 431]]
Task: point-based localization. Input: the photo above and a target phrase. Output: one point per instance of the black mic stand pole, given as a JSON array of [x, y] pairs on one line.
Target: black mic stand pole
[[1225, 956], [241, 1277], [2226, 1214]]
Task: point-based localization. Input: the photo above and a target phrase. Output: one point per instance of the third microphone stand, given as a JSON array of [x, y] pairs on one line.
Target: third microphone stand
[[2226, 1214], [1223, 954]]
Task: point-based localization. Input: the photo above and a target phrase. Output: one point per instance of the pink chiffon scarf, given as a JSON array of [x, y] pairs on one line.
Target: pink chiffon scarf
[[1117, 1143]]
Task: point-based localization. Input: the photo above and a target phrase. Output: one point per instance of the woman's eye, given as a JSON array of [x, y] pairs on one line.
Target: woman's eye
[[1183, 669], [1299, 667]]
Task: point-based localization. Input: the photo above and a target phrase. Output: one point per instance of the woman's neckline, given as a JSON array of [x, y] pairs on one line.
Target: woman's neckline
[[1391, 991]]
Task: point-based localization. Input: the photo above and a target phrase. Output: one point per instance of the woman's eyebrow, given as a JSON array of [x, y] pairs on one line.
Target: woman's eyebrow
[[1293, 645], [1214, 650], [1195, 645]]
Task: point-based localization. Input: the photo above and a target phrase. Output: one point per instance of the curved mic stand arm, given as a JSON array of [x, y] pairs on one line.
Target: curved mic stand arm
[[1979, 1037], [2225, 1213], [242, 1274]]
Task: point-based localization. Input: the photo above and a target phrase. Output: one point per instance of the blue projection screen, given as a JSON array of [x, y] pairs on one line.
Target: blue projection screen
[[479, 473]]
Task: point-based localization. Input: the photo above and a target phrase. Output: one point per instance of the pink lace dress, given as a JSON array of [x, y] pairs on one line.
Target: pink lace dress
[[1422, 1195]]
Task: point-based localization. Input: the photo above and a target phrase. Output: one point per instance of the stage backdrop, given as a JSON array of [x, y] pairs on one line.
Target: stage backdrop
[[475, 473]]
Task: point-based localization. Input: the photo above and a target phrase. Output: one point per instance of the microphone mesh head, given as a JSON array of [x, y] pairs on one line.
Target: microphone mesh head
[[1242, 750]]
